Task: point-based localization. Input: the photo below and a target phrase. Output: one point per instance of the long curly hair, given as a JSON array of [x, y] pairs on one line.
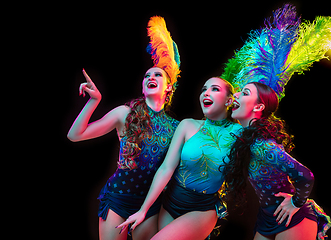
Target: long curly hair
[[267, 127], [137, 126]]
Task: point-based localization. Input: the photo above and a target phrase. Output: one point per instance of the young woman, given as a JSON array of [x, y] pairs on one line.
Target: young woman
[[144, 131], [261, 69], [191, 203], [260, 153]]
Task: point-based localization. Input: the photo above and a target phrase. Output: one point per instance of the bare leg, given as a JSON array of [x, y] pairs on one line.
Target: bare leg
[[107, 230], [259, 236], [147, 229], [164, 218], [305, 230], [193, 225]]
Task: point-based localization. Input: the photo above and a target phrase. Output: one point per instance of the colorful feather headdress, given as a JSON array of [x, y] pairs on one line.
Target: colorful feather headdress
[[284, 46], [163, 49]]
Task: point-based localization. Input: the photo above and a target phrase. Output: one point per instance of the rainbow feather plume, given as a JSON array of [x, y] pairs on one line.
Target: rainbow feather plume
[[263, 56], [163, 49], [231, 69], [284, 46]]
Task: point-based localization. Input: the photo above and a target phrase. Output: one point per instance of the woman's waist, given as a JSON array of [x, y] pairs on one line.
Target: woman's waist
[[176, 187], [203, 182]]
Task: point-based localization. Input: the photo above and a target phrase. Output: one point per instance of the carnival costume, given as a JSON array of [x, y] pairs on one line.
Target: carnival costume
[[197, 179], [126, 189], [271, 56]]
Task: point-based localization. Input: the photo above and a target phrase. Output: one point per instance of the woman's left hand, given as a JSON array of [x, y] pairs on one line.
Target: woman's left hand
[[285, 209]]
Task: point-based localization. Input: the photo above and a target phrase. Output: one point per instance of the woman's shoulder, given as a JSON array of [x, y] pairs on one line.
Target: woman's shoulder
[[190, 122], [122, 110], [261, 146], [189, 126], [236, 127]]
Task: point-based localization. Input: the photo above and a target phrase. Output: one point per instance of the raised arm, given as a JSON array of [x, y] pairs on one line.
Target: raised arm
[[81, 129], [161, 177]]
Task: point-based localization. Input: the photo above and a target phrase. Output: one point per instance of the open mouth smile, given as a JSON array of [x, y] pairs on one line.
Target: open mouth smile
[[236, 105], [152, 84], [207, 102]]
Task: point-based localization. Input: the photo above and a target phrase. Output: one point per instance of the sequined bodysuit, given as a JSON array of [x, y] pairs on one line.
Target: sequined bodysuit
[[272, 170], [202, 155], [126, 188]]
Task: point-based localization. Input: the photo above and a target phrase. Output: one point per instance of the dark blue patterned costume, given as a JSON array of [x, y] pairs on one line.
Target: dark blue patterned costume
[[273, 170], [126, 190]]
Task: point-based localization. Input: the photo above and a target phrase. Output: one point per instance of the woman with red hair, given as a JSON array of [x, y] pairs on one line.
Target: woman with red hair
[[263, 66]]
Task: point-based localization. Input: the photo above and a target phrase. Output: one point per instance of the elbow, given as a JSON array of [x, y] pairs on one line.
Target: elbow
[[312, 178], [72, 138]]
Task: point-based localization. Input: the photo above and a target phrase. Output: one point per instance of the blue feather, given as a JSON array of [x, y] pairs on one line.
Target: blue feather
[[264, 54], [176, 52]]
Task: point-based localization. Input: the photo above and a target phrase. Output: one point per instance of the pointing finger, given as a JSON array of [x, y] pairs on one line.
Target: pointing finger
[[87, 77]]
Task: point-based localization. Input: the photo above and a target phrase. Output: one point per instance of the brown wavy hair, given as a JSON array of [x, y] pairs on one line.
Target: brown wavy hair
[[137, 126], [267, 127]]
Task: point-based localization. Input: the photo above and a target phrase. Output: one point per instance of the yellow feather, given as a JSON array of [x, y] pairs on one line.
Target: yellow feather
[[162, 47]]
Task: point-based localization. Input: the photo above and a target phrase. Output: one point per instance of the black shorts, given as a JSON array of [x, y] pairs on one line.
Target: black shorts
[[178, 200], [124, 204]]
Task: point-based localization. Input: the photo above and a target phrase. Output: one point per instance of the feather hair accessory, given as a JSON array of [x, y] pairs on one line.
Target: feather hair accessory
[[285, 46], [314, 40], [263, 56], [163, 49]]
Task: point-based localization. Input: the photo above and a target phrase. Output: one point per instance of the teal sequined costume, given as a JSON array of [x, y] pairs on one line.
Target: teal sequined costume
[[126, 190], [197, 178]]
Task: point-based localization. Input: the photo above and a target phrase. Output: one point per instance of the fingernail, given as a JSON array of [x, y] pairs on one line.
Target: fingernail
[[83, 69], [121, 230]]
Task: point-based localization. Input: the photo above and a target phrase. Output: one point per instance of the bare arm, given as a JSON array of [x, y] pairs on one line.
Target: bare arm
[[81, 129], [162, 175]]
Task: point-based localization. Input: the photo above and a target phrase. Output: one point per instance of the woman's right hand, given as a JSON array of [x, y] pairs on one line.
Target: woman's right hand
[[136, 219], [89, 87]]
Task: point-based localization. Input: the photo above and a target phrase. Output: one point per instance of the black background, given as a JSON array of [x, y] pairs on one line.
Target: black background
[[108, 40]]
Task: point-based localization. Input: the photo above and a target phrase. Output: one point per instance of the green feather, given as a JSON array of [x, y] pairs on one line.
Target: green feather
[[313, 42]]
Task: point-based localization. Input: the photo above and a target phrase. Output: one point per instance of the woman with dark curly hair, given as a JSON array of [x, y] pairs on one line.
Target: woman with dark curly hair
[[261, 69], [260, 154], [144, 131]]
